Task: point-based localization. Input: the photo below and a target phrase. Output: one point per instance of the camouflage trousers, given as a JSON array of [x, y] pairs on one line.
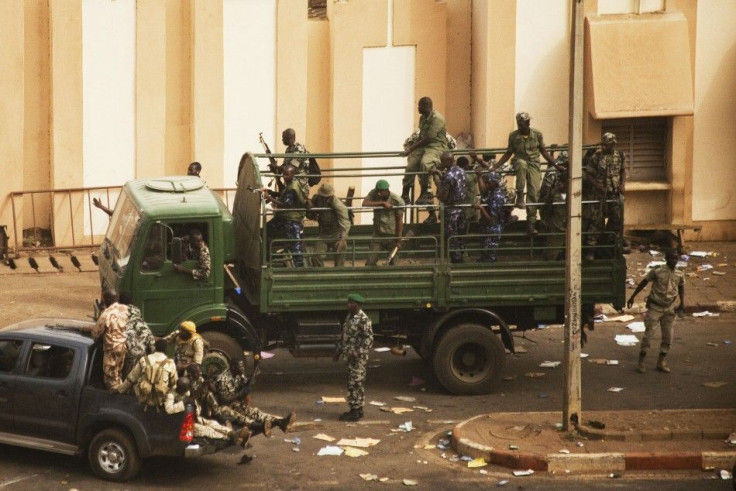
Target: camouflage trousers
[[356, 379], [489, 243], [665, 319], [454, 226], [595, 221], [113, 359], [244, 415], [209, 428]]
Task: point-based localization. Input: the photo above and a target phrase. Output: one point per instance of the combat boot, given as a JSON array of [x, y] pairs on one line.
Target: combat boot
[[285, 423], [258, 428], [406, 195], [352, 415], [641, 367], [241, 437], [662, 364]]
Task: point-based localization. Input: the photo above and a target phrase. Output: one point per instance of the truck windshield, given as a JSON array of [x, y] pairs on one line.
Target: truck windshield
[[121, 232]]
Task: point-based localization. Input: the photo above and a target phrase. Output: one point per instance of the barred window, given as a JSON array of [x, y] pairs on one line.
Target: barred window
[[644, 141]]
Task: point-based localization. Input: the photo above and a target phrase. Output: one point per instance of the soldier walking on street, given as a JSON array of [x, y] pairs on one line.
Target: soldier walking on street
[[667, 283], [356, 343]]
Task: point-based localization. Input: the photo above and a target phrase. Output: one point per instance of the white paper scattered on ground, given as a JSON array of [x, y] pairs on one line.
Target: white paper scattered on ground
[[637, 326], [355, 452], [705, 313], [330, 450], [621, 318], [584, 355], [377, 403], [527, 472], [654, 264], [652, 252], [550, 364], [410, 482], [382, 349], [615, 389], [324, 437], [698, 254], [406, 426], [358, 442], [332, 400], [626, 340], [611, 362], [369, 477], [479, 462], [405, 398]]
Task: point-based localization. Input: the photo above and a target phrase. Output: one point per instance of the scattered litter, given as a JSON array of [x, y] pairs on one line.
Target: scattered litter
[[725, 475], [654, 264], [332, 400], [615, 389], [564, 450], [397, 410], [296, 440], [513, 447], [652, 252], [630, 281], [714, 385], [355, 452], [637, 326], [543, 395], [415, 381], [358, 442], [382, 349], [719, 273], [549, 364], [377, 403], [527, 472], [317, 420], [501, 483], [479, 462], [728, 341], [369, 477], [330, 450], [705, 313], [558, 426], [534, 374], [722, 265], [383, 479], [580, 444], [712, 344], [731, 440], [704, 267], [698, 254], [324, 437], [598, 361], [423, 408], [483, 471], [410, 482], [542, 326], [626, 340], [621, 318], [600, 318], [406, 426], [611, 362], [405, 398], [295, 449], [584, 355], [614, 475]]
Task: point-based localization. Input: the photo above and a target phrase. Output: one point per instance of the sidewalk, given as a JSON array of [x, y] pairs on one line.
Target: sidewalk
[[630, 441]]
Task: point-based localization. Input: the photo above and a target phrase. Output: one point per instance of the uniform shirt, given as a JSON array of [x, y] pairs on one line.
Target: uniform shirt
[[454, 182], [301, 164], [293, 197], [384, 220], [357, 335], [187, 350], [174, 402], [168, 374], [227, 384], [665, 285], [606, 169], [335, 222], [525, 147], [493, 201], [139, 338], [432, 126], [204, 262], [111, 326]]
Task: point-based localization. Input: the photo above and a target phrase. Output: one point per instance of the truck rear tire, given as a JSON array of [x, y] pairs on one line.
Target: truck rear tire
[[224, 344], [468, 359], [113, 456]]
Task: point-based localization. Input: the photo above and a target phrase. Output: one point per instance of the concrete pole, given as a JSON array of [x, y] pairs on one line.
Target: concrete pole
[[571, 410]]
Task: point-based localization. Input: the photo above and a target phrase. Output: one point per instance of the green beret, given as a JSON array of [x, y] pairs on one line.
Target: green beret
[[357, 298], [382, 185]]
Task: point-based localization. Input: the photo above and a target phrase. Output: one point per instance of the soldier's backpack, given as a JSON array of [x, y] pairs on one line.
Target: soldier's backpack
[[152, 388]]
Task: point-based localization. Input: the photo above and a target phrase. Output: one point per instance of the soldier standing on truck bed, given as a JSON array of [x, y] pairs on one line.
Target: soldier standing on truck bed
[[450, 182], [388, 220], [334, 225], [287, 220], [355, 344], [139, 338], [111, 328]]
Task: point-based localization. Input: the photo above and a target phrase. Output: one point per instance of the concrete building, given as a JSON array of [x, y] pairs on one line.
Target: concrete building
[[95, 92]]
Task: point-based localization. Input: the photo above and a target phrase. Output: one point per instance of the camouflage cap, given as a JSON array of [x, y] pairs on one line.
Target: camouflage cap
[[608, 138], [522, 116], [382, 185]]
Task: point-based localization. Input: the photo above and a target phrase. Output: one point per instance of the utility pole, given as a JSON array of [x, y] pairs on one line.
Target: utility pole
[[571, 410]]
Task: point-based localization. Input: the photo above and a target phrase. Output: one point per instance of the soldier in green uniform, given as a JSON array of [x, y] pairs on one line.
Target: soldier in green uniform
[[604, 175], [526, 144], [388, 220], [667, 283], [554, 211], [355, 345], [334, 225]]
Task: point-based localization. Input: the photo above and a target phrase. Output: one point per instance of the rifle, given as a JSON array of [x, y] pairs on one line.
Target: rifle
[[349, 203], [273, 166], [397, 247]]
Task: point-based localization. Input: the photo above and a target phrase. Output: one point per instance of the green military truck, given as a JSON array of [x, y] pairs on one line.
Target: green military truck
[[459, 317]]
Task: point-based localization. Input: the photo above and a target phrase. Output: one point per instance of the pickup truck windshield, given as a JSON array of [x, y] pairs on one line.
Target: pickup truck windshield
[[121, 232]]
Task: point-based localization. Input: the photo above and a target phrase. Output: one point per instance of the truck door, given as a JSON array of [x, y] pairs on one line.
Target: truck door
[[163, 294], [46, 392], [9, 355]]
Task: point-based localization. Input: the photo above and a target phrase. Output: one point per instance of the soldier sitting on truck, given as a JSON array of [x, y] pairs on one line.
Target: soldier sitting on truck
[[388, 220], [291, 210], [334, 225], [201, 253]]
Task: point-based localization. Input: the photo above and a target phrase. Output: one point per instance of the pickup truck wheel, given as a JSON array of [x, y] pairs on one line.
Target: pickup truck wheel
[[468, 359], [113, 456]]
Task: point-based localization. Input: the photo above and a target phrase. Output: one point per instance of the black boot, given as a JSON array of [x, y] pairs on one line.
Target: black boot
[[264, 427], [285, 423], [406, 194], [352, 415]]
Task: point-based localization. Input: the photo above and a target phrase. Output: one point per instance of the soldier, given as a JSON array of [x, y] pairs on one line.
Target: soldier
[[554, 212], [288, 138], [189, 345], [451, 190], [287, 221], [388, 220], [491, 208], [424, 153], [334, 225], [201, 253], [667, 283], [526, 144], [471, 190], [604, 176], [111, 328], [194, 169], [164, 365], [139, 340], [355, 345]]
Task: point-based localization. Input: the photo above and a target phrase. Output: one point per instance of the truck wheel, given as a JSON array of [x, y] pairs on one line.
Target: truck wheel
[[468, 359], [224, 344], [113, 456]]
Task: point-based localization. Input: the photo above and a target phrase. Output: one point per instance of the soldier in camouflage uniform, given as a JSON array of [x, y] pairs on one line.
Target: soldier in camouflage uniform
[[604, 182], [139, 340], [111, 328], [553, 211], [355, 344], [291, 209], [668, 282], [201, 253], [190, 346], [491, 208], [288, 138]]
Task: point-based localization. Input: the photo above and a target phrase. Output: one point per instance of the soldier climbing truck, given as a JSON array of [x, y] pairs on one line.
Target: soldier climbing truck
[[458, 316]]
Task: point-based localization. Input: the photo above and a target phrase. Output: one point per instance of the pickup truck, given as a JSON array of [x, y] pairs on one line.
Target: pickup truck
[[52, 398]]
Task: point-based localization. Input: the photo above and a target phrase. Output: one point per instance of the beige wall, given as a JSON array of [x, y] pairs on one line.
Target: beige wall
[[459, 63]]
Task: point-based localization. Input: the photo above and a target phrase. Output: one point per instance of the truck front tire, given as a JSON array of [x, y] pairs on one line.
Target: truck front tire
[[468, 359], [113, 456], [224, 344]]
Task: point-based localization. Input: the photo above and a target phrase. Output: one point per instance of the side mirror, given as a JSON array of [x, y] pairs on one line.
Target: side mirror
[[176, 250]]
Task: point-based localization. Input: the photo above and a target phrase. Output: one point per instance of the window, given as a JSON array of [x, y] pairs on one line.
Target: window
[[9, 351], [50, 361], [153, 253], [644, 141]]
